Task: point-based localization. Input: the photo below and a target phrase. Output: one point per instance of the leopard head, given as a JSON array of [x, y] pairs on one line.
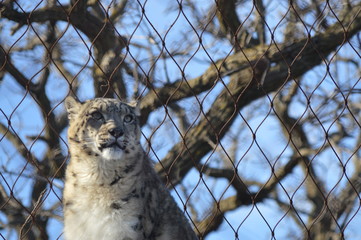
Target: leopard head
[[103, 127]]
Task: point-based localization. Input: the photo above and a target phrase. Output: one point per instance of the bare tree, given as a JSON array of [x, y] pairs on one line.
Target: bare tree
[[245, 105]]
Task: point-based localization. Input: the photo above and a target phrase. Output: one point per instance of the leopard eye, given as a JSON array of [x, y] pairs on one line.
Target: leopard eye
[[128, 118], [97, 115]]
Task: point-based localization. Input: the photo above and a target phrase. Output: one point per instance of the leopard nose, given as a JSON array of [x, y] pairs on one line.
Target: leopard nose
[[116, 132]]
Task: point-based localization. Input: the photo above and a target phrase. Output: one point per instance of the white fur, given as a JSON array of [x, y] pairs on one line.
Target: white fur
[[112, 153], [99, 223], [94, 219]]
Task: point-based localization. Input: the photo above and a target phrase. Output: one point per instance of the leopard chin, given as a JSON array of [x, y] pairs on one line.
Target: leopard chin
[[113, 152]]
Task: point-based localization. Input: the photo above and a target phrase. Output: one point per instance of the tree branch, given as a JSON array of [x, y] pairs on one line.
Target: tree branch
[[321, 216], [17, 142], [293, 61], [289, 61], [227, 17], [195, 144]]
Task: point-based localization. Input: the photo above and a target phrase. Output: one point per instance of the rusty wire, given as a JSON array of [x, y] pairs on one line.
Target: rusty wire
[[250, 109]]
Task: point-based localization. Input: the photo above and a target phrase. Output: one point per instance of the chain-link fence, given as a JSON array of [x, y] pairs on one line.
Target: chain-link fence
[[250, 109]]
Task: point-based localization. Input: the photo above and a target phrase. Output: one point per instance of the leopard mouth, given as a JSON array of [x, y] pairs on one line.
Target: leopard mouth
[[111, 146]]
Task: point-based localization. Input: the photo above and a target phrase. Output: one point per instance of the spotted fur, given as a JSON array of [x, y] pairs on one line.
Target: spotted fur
[[111, 189]]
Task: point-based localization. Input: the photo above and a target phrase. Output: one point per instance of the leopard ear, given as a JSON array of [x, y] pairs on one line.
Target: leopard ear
[[136, 107], [72, 106]]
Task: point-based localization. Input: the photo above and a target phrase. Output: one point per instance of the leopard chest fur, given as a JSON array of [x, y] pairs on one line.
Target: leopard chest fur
[[109, 210]]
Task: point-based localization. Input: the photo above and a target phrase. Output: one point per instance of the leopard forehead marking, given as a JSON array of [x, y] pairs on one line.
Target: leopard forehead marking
[[108, 105]]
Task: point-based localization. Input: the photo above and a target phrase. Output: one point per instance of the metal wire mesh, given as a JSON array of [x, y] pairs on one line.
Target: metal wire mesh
[[250, 109]]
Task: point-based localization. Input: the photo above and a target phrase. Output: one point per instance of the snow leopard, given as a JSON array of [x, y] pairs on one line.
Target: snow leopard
[[111, 189]]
